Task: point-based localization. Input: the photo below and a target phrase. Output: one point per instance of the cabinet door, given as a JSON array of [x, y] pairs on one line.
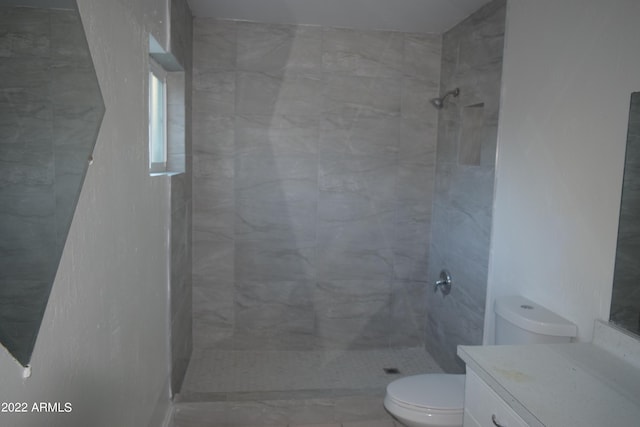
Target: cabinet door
[[484, 408]]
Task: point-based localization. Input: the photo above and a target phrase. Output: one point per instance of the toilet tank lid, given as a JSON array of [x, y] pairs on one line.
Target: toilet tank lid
[[533, 317]]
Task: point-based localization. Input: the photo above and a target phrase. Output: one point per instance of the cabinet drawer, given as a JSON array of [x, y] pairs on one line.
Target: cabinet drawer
[[482, 405]]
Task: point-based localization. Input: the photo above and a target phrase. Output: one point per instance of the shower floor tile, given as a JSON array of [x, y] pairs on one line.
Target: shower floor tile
[[214, 375], [293, 388]]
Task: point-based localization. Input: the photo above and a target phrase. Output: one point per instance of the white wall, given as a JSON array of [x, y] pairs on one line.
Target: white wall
[[569, 70], [103, 342]]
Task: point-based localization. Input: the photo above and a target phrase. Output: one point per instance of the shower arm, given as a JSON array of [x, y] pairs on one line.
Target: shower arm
[[455, 92], [439, 102]]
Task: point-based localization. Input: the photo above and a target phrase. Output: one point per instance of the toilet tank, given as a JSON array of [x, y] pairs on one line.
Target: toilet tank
[[521, 321]]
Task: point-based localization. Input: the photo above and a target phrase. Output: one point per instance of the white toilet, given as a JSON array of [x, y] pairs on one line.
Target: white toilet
[[436, 400]]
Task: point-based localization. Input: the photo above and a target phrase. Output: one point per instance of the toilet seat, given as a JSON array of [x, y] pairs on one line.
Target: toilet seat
[[429, 391], [424, 400]]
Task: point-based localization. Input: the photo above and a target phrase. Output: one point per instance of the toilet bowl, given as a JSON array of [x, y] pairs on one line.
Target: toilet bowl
[[429, 400], [437, 400]]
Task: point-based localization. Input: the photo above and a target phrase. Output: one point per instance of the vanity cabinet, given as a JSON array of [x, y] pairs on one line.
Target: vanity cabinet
[[484, 408], [592, 384]]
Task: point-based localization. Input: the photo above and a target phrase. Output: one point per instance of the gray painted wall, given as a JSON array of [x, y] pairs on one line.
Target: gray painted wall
[[462, 208], [103, 341], [314, 155]]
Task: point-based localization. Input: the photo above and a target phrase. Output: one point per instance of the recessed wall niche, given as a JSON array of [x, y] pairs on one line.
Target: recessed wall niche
[[175, 109], [471, 135]]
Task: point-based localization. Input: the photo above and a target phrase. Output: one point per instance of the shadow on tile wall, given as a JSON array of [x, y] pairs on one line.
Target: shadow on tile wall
[[314, 159]]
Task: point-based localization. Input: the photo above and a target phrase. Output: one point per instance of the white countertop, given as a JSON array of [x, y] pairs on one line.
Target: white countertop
[[560, 385]]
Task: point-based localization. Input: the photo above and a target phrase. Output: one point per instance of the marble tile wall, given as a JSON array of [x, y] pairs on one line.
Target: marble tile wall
[[461, 224], [180, 279], [625, 304], [313, 170], [181, 285]]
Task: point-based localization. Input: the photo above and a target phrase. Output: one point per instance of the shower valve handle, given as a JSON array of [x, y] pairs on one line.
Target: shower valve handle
[[444, 284]]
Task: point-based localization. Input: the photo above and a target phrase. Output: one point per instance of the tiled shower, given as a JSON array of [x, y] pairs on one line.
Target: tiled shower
[[314, 158], [321, 173], [463, 198]]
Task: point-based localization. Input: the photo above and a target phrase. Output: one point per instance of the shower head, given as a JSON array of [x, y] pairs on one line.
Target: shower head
[[439, 102]]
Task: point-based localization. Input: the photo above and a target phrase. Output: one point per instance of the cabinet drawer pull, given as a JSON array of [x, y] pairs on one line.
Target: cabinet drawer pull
[[495, 423]]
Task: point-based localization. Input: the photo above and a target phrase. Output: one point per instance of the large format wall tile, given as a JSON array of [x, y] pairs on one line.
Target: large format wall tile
[[275, 48], [213, 255], [362, 53], [213, 135], [275, 196], [353, 313], [268, 94], [274, 315], [277, 134], [274, 260], [451, 321], [462, 207], [409, 183], [275, 220], [262, 166], [353, 262], [354, 96], [214, 44], [353, 187], [417, 143], [363, 135], [314, 154], [213, 182], [411, 256], [214, 92], [293, 192], [213, 312], [415, 100], [407, 313], [422, 56]]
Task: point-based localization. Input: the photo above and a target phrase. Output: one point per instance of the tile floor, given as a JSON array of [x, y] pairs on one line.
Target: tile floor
[[293, 388]]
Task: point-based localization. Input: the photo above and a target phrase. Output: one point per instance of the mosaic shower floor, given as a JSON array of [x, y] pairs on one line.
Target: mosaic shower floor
[[227, 372], [293, 388]]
